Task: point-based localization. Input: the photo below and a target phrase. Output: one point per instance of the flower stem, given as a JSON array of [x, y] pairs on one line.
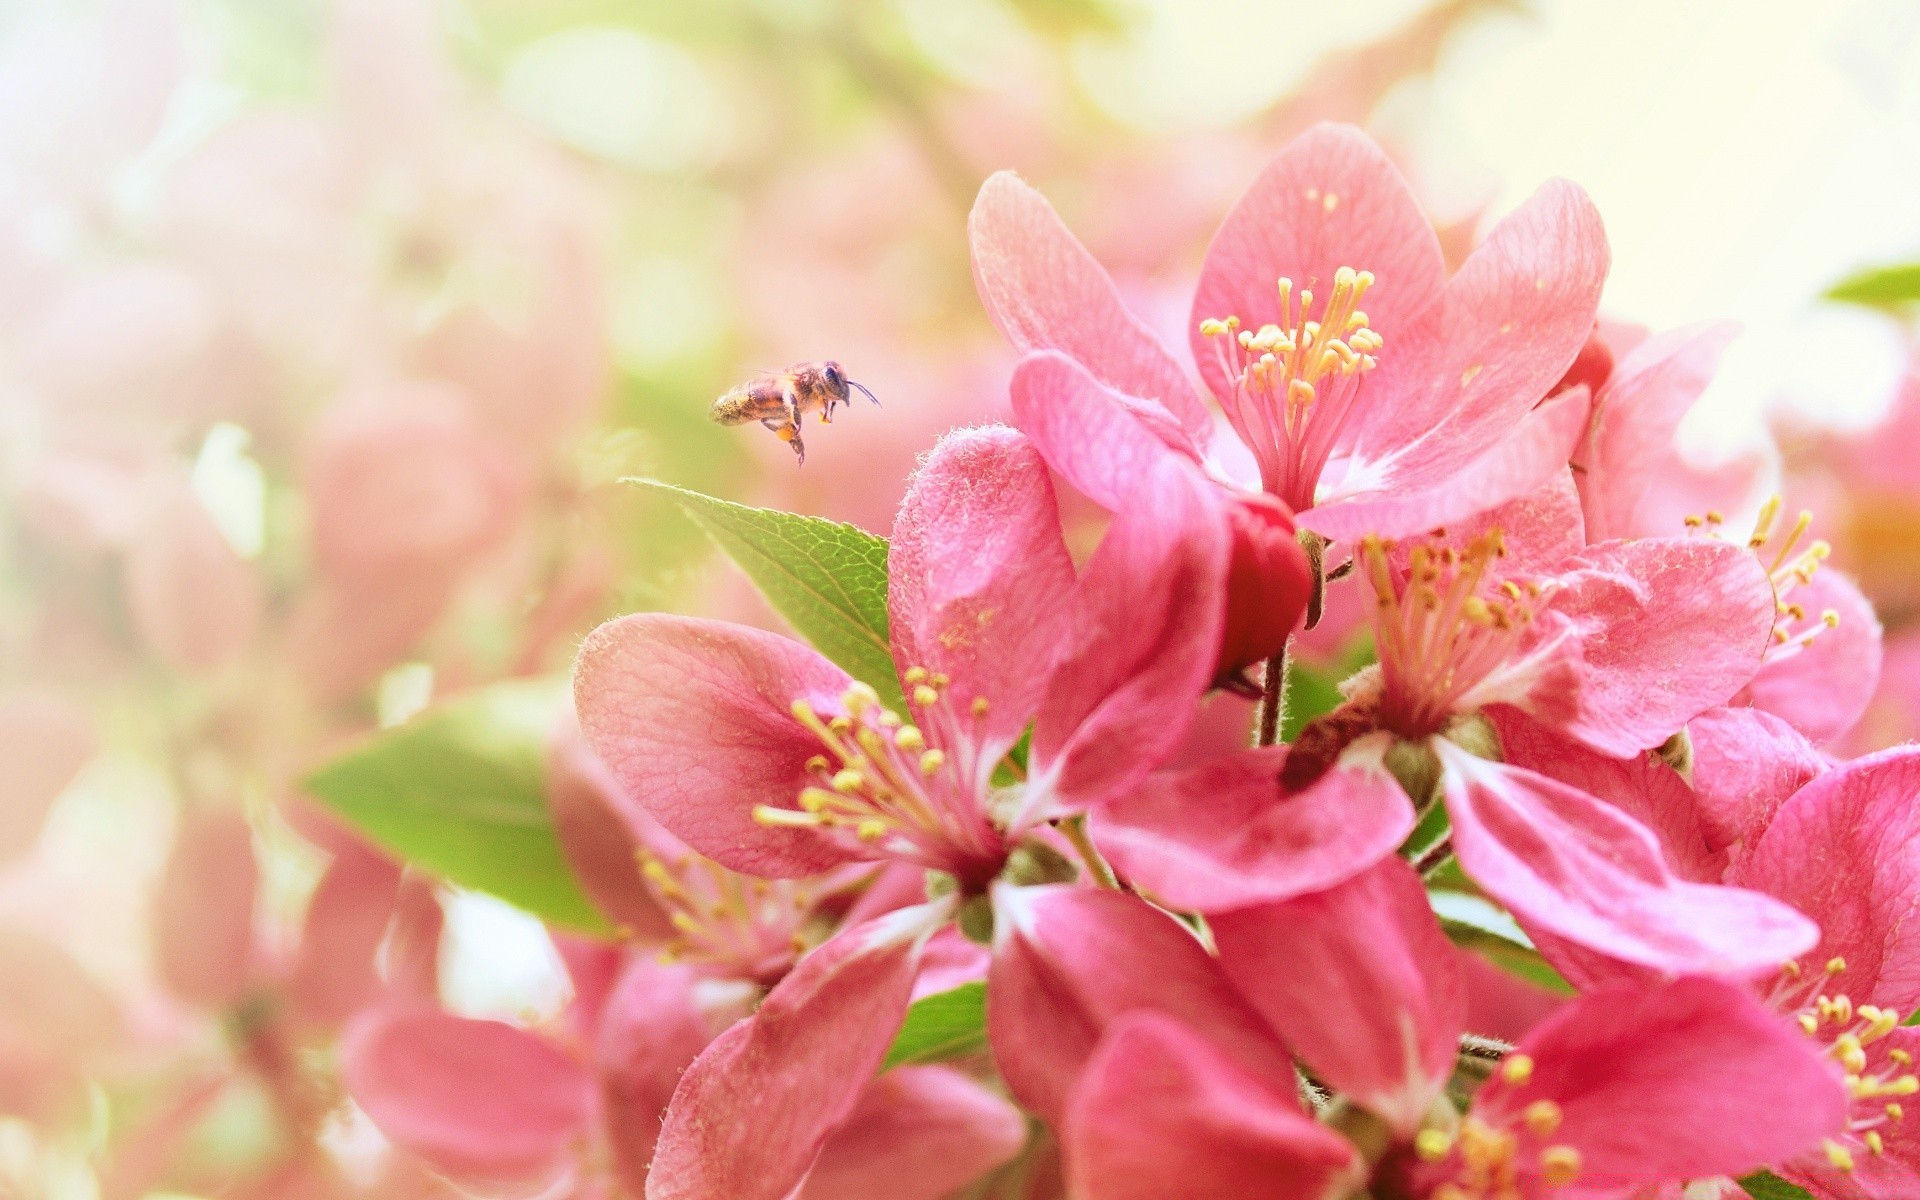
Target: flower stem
[[1273, 699], [1075, 829]]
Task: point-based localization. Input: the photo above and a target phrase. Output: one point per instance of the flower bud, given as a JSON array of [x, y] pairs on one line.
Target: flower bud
[[1268, 583]]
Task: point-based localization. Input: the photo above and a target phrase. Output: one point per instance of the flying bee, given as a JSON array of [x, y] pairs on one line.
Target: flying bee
[[778, 400]]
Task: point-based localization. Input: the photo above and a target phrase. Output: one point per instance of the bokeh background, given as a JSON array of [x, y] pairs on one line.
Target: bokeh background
[[327, 328]]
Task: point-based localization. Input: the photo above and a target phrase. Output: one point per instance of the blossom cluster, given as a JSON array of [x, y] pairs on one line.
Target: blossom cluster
[[1596, 717]]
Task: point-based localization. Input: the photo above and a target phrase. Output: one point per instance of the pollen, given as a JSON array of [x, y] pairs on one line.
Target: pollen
[[1559, 1165], [750, 928], [1542, 1118], [1293, 380]]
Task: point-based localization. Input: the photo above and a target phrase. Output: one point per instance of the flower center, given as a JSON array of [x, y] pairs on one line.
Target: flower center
[[1789, 567], [883, 792], [1437, 637], [751, 928], [1492, 1153], [1293, 384], [1827, 1015]]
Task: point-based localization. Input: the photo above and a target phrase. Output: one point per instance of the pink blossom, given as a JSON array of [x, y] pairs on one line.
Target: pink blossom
[[1419, 411], [44, 742]]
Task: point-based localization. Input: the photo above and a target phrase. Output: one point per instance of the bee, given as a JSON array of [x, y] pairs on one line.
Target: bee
[[778, 400]]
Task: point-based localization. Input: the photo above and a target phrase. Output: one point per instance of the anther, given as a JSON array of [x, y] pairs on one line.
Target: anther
[[914, 676], [1542, 1118], [980, 706], [909, 738], [1872, 1138], [924, 696], [1839, 1156], [932, 761], [1516, 1069], [1432, 1145], [847, 781], [1559, 1165]]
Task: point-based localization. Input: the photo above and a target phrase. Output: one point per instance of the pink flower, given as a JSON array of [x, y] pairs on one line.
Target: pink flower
[[764, 756], [1840, 848], [1364, 987], [1417, 410]]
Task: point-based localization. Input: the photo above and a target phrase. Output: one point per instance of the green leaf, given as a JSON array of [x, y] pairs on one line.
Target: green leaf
[[827, 579], [1880, 287], [1765, 1185], [460, 791], [943, 1025]]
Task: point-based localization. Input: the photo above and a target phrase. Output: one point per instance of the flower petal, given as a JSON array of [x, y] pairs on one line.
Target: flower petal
[[654, 1024], [1824, 688], [1504, 468], [1361, 983], [203, 912], [918, 1133], [694, 718], [1629, 1067], [1668, 628], [335, 973], [43, 744], [754, 1109], [1583, 870], [1098, 441], [1746, 764], [1330, 199], [1635, 417], [477, 1099], [1510, 323], [1069, 961], [1044, 291], [1140, 649], [979, 577], [597, 826], [1227, 834], [1846, 851], [1164, 1114]]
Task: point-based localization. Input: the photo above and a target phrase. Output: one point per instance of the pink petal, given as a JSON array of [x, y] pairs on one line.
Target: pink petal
[[1628, 1067], [1583, 870], [1045, 292], [951, 959], [652, 1027], [694, 718], [413, 947], [203, 913], [1521, 458], [754, 1109], [347, 919], [58, 1027], [477, 1099], [1846, 851], [1330, 199], [1635, 417], [599, 830], [1746, 763], [1361, 983], [1824, 689], [1643, 787], [194, 602], [918, 1133], [1668, 628], [1164, 1114], [1227, 834], [1070, 961], [1102, 444], [44, 742], [1539, 531], [1507, 328], [1141, 647], [979, 578]]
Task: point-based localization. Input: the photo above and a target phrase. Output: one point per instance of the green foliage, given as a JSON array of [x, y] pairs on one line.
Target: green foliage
[[1765, 1185], [1880, 287], [460, 791], [1474, 925], [943, 1025], [827, 579]]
